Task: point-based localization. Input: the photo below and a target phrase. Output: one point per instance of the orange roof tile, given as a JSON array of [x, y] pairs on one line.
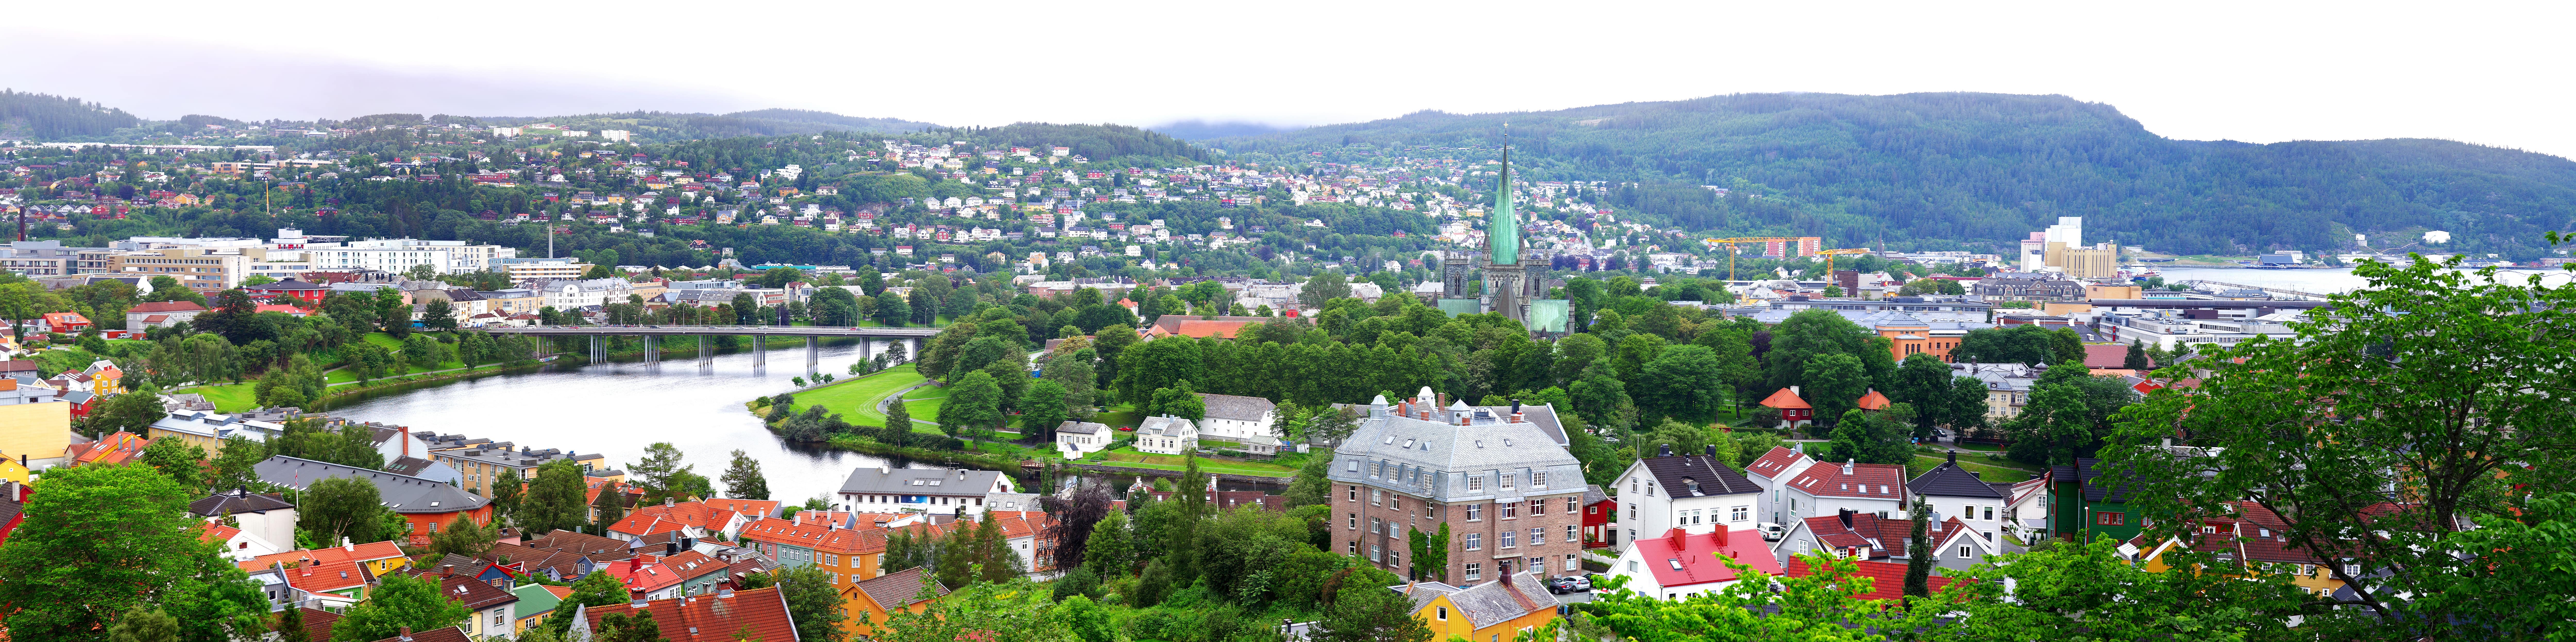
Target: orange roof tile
[[1873, 401], [1784, 399]]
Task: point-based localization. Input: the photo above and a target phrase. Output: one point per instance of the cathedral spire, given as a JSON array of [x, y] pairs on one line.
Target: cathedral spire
[[1503, 228]]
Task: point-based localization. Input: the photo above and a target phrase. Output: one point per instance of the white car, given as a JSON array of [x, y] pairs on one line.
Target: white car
[[1771, 531]]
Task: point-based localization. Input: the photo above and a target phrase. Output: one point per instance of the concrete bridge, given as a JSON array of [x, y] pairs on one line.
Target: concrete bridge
[[813, 335]]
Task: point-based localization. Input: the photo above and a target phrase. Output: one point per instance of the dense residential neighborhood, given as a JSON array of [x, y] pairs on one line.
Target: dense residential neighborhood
[[1110, 386]]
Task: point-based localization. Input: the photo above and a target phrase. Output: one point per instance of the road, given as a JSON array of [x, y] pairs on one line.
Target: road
[[715, 330]]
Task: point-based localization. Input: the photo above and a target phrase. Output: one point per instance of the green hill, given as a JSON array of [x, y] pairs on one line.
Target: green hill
[[26, 115], [1921, 170]]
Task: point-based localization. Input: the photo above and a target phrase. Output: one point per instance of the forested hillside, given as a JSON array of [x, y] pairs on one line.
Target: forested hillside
[[26, 115], [1921, 169]]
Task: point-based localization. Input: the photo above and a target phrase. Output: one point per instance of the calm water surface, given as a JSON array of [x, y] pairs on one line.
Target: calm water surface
[[618, 408]]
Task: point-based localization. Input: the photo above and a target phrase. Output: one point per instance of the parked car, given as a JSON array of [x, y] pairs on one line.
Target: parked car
[[1569, 584], [1771, 531]]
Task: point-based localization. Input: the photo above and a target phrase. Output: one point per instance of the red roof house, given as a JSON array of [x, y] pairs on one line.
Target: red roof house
[[1792, 409], [1887, 579], [705, 618], [1873, 401]]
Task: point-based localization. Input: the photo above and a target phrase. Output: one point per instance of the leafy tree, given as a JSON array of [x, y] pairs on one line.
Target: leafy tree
[[438, 315], [1042, 408], [1109, 553], [595, 589], [2137, 357], [611, 505], [1924, 380], [1686, 381], [144, 625], [130, 412], [898, 421], [1016, 611], [102, 540], [632, 626], [1371, 614], [1324, 286], [812, 602], [659, 470], [464, 537], [1870, 438], [343, 507], [232, 467], [743, 480], [290, 626], [2087, 591], [1835, 383], [508, 489], [2026, 344], [557, 500], [1178, 402], [182, 461], [975, 405], [1807, 334], [2448, 386], [1918, 552], [420, 352]]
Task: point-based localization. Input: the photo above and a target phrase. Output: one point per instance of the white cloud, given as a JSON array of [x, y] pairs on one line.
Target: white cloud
[[2255, 72]]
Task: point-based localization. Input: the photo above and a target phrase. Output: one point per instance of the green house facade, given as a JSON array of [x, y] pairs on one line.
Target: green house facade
[[2084, 505]]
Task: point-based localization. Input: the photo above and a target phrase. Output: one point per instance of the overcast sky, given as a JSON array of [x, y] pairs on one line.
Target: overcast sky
[[2260, 72]]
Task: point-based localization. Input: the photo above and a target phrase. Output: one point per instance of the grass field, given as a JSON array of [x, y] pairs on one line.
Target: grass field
[[1130, 457], [924, 403], [1986, 469], [856, 399], [232, 398]]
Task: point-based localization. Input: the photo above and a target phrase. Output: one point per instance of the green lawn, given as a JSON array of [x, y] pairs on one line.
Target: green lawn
[[1122, 416], [1986, 469], [924, 403], [231, 398], [1128, 456], [856, 399]]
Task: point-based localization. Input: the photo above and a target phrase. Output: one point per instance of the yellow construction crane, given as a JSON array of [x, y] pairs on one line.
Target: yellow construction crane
[[1730, 247], [1829, 257]]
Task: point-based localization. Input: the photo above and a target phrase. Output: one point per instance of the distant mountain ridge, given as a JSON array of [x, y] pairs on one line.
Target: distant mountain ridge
[[1986, 169]]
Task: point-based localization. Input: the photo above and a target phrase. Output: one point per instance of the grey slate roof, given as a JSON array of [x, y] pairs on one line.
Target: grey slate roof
[[1949, 480], [1082, 427], [1237, 408], [408, 466], [1167, 426], [897, 589], [1433, 457], [236, 502], [2097, 489], [1698, 475], [923, 481], [1492, 602], [402, 493]]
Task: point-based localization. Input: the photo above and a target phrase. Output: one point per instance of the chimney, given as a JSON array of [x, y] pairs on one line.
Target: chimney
[[670, 549], [1794, 390], [1712, 450], [1516, 406], [1666, 451], [668, 501], [1954, 457], [639, 603], [406, 634], [406, 439], [1721, 536], [1847, 465], [1846, 515]]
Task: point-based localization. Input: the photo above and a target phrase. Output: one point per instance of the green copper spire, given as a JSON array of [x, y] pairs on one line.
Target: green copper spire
[[1502, 229]]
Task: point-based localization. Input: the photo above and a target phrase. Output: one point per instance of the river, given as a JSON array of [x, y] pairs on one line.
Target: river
[[617, 408]]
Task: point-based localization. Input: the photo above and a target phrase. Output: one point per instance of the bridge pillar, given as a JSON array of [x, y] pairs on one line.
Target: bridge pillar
[[866, 343], [759, 351], [706, 354], [598, 349], [652, 348], [813, 355]]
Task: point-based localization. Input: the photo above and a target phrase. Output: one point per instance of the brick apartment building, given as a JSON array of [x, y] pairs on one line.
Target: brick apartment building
[[1502, 480]]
